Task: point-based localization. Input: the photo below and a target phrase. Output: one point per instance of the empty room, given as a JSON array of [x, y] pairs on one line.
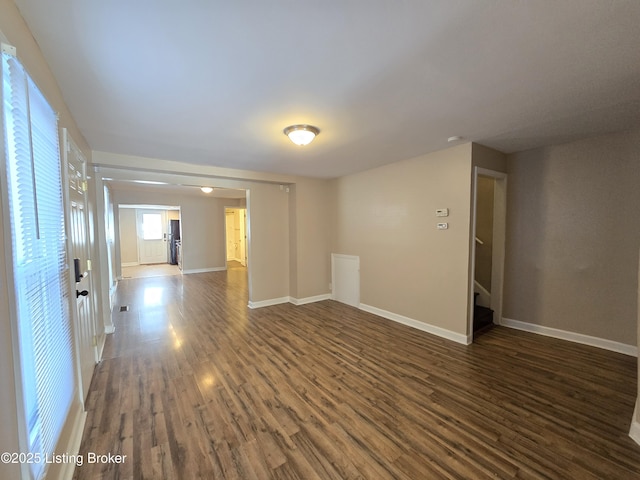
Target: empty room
[[301, 240]]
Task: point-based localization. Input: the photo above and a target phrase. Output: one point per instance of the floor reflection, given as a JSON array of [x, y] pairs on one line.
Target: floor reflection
[[152, 296], [175, 313]]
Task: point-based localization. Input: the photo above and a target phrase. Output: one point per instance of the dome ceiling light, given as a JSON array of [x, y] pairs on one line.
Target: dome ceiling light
[[301, 134], [206, 189]]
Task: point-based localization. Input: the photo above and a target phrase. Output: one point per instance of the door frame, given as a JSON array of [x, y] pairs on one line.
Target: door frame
[[498, 251], [69, 147]]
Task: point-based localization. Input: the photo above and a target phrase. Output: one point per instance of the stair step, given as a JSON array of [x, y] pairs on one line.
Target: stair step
[[482, 318]]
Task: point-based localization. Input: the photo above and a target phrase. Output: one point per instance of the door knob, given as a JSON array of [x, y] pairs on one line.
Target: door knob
[[83, 293]]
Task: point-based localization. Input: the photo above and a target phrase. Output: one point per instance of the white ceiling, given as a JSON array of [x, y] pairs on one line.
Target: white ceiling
[[214, 82]]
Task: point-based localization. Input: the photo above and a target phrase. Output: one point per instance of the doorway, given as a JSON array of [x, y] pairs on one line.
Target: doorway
[[236, 235], [147, 239], [488, 249]]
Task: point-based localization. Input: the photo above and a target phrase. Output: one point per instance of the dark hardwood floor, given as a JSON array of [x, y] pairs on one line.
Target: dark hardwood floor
[[196, 385]]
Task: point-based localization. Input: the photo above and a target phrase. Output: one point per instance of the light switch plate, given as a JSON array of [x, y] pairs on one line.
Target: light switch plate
[[442, 212], [443, 226]]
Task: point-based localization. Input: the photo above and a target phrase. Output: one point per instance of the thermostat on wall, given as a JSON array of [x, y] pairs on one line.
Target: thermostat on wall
[[442, 212]]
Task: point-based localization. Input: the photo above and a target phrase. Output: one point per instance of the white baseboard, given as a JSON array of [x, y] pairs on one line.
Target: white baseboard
[[268, 303], [605, 344], [425, 327], [129, 264], [292, 300], [634, 431], [73, 446], [304, 301], [204, 270]]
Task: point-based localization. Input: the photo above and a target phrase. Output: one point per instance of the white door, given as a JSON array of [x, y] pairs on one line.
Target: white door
[[81, 264], [230, 233], [152, 238], [243, 236], [236, 235]]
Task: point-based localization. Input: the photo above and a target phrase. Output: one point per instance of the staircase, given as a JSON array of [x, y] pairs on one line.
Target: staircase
[[482, 317]]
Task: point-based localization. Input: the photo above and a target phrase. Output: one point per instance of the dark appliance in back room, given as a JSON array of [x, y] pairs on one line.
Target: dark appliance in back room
[[174, 240]]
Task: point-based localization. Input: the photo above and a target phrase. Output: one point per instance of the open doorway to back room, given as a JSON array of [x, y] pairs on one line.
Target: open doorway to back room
[[150, 240], [489, 226], [236, 236]]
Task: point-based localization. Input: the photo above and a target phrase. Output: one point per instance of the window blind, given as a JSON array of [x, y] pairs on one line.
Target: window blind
[[39, 258]]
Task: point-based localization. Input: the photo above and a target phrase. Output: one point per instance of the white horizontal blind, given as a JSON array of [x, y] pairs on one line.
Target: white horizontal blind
[[39, 258]]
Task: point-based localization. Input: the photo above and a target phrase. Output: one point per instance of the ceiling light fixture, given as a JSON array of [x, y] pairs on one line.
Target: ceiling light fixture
[[206, 189], [301, 134]]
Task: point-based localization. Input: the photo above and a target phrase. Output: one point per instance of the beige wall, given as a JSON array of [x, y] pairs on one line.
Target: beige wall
[[488, 158], [386, 216], [269, 240], [13, 28], [310, 224], [128, 236], [573, 231]]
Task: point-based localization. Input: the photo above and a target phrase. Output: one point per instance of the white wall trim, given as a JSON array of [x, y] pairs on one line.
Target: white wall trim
[[304, 301], [204, 270], [603, 343], [108, 320], [634, 431], [73, 447], [292, 300], [130, 264], [268, 303], [101, 344], [425, 327]]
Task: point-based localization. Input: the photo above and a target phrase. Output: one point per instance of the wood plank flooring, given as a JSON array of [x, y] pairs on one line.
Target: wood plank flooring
[[195, 385]]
